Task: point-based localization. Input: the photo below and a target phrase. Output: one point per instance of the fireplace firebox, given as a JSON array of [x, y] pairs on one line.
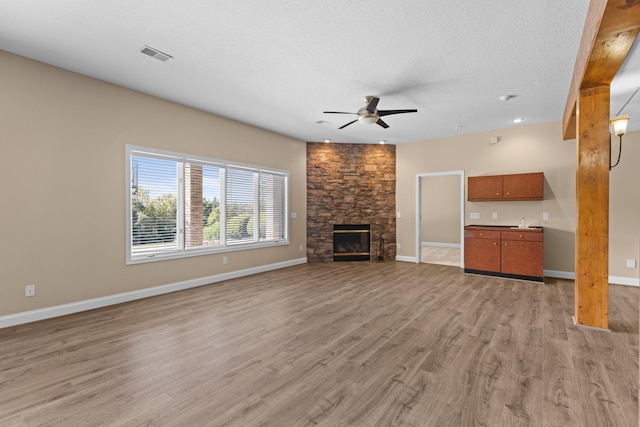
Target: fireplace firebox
[[351, 242]]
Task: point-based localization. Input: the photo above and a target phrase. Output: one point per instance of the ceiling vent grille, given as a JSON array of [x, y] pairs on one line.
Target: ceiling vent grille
[[154, 53]]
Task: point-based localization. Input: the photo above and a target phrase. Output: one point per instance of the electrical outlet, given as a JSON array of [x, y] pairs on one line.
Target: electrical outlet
[[494, 215], [300, 248], [30, 291], [294, 215], [399, 214], [224, 260], [475, 215], [398, 245], [545, 216], [631, 263]]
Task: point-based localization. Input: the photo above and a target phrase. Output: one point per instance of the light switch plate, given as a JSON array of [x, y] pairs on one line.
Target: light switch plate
[[631, 263], [545, 216], [475, 215]]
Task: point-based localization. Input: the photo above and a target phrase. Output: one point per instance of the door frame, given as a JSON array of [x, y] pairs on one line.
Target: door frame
[[419, 177]]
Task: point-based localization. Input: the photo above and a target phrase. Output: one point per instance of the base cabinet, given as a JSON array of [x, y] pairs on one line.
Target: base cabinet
[[482, 250], [503, 251]]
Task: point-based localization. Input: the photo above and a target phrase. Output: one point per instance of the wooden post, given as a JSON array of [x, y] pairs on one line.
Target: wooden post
[[611, 26], [592, 203]]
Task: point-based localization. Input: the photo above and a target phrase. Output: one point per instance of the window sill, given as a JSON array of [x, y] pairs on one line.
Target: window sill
[[193, 252]]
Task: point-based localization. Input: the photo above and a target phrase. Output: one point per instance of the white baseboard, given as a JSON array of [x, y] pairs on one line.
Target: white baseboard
[[407, 259], [614, 280], [625, 281], [570, 275], [441, 245], [90, 304]]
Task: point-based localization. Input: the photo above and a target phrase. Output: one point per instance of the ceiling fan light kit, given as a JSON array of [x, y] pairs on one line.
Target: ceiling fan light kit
[[368, 119], [369, 114]]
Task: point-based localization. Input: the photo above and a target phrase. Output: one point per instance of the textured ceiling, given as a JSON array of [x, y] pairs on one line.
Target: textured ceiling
[[279, 64]]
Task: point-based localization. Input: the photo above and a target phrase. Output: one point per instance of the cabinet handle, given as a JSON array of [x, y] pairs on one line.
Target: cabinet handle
[[481, 234], [495, 244], [521, 236], [497, 194], [507, 194], [506, 244]]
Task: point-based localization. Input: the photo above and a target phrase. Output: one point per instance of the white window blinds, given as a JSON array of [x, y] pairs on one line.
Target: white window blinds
[[183, 206], [272, 206], [241, 209], [154, 197]]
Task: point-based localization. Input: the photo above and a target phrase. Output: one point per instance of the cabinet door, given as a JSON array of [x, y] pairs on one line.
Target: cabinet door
[[524, 258], [523, 186], [482, 254], [484, 188]]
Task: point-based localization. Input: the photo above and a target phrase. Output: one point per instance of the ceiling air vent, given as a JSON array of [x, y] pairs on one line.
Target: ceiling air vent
[[154, 53]]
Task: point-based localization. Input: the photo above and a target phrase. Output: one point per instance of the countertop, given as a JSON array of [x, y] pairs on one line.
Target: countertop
[[502, 227]]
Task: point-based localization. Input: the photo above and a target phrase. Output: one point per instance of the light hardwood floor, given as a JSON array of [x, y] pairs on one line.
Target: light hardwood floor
[[440, 255], [336, 344]]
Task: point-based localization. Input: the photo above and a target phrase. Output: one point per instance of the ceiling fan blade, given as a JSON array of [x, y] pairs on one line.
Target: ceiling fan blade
[[381, 123], [337, 112], [344, 126], [389, 112], [371, 107]]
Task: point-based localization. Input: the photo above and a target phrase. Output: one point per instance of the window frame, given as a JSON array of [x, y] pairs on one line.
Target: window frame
[[224, 246]]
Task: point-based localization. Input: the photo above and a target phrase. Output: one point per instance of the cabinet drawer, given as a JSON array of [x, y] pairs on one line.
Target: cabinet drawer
[[481, 234], [528, 236]]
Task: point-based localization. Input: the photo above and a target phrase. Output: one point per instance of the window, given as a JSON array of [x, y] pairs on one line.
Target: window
[[180, 205]]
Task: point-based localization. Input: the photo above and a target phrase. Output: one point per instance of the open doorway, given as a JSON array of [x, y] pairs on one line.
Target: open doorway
[[440, 218]]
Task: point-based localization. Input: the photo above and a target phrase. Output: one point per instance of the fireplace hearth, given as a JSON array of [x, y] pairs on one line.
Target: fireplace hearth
[[351, 242]]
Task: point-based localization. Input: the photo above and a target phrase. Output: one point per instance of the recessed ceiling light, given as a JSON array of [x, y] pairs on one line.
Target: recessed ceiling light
[[518, 120], [384, 141], [505, 98], [327, 140]]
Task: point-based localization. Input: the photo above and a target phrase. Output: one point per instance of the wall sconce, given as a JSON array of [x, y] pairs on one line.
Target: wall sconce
[[619, 127]]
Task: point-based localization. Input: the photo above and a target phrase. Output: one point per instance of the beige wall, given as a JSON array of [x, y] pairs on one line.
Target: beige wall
[[624, 206], [440, 209], [62, 222], [533, 148]]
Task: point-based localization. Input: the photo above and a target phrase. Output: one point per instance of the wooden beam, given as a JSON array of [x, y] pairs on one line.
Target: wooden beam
[[610, 29], [592, 200]]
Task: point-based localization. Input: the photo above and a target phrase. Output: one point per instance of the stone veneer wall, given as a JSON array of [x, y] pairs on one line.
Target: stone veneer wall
[[350, 184]]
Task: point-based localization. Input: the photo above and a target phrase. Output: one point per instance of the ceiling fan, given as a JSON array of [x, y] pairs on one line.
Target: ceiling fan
[[370, 114]]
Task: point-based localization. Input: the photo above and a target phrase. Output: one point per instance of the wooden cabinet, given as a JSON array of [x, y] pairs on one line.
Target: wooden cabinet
[[504, 251], [482, 250], [515, 187], [484, 188], [521, 253]]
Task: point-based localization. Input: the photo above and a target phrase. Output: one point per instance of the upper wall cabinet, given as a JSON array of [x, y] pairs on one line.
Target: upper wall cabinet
[[516, 187]]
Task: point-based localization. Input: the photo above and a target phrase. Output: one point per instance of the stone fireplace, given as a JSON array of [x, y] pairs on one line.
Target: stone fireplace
[[351, 184]]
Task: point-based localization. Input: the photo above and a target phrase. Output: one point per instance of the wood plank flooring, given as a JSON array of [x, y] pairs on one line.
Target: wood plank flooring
[[336, 344]]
